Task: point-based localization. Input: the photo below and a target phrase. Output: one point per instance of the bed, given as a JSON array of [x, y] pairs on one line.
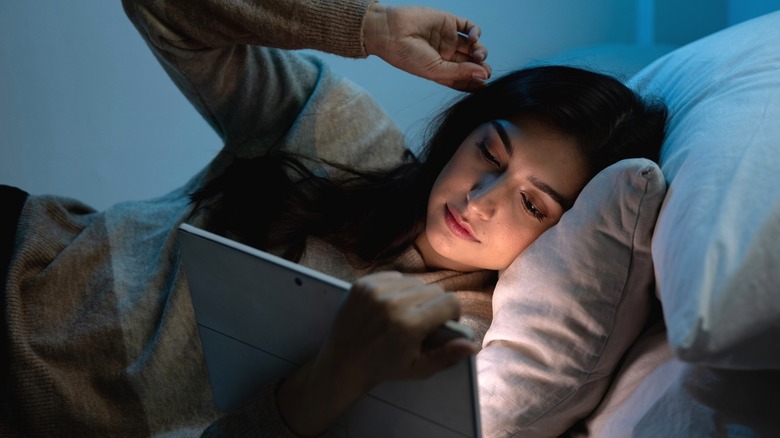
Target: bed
[[658, 312]]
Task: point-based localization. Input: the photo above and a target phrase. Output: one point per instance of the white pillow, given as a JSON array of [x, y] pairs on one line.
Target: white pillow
[[717, 245], [570, 305]]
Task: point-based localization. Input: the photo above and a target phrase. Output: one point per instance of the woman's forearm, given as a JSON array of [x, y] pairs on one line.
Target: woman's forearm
[[325, 25], [213, 50]]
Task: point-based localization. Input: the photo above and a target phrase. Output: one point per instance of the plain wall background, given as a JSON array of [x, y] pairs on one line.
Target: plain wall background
[[86, 111]]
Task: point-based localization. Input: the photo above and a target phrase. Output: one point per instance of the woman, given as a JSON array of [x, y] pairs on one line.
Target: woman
[[503, 166], [119, 352]]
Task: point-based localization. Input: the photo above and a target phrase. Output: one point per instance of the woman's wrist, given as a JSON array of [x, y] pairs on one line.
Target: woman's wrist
[[375, 29]]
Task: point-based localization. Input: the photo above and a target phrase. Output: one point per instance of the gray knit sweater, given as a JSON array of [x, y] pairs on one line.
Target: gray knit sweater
[[101, 334]]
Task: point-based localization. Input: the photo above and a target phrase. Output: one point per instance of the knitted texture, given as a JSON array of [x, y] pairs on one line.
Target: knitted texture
[[101, 338]]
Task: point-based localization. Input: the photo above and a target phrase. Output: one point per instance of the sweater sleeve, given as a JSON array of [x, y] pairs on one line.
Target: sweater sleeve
[[221, 54], [228, 58]]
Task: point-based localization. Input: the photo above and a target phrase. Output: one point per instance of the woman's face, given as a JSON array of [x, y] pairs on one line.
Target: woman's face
[[505, 185]]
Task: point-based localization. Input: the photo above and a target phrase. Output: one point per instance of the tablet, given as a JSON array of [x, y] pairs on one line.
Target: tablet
[[260, 317]]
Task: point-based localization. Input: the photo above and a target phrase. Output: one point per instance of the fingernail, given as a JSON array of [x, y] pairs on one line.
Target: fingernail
[[479, 76]]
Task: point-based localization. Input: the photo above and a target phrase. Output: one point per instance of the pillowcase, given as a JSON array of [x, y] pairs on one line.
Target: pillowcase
[[567, 309], [717, 245]]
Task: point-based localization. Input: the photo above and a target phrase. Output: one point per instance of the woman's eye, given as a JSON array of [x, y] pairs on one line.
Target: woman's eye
[[486, 155], [531, 208]]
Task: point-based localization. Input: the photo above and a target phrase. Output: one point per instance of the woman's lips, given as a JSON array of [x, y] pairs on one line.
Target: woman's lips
[[457, 226]]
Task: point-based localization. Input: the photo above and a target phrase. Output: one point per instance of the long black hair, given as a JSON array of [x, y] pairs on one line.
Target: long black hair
[[374, 216]]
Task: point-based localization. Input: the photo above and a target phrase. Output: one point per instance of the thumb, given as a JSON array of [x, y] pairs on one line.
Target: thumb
[[463, 76], [436, 359]]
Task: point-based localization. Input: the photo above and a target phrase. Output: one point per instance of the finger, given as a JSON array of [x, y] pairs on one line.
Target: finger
[[479, 52], [488, 69], [474, 33], [375, 291], [405, 305], [468, 41], [464, 45], [468, 85], [434, 360], [379, 275], [474, 52], [371, 281], [460, 58], [469, 29], [465, 76], [435, 312], [415, 307], [398, 294], [390, 282]]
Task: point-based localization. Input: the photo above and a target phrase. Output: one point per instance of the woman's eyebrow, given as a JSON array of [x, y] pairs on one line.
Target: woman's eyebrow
[[503, 135], [565, 204], [557, 197]]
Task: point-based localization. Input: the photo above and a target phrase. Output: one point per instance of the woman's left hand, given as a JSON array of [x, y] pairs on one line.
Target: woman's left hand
[[377, 336], [429, 43], [381, 326]]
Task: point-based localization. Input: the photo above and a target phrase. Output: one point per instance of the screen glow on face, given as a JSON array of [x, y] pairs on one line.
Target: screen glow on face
[[506, 184]]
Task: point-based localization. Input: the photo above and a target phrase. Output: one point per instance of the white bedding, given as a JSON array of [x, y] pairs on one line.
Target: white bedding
[[716, 248]]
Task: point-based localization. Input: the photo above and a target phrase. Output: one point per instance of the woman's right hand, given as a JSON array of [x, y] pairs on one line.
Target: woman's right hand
[[377, 336], [429, 43]]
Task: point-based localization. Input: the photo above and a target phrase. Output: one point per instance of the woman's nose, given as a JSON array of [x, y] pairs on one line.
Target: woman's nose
[[481, 200]]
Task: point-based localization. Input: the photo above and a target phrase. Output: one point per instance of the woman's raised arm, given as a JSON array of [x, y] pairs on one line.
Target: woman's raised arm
[[219, 54]]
